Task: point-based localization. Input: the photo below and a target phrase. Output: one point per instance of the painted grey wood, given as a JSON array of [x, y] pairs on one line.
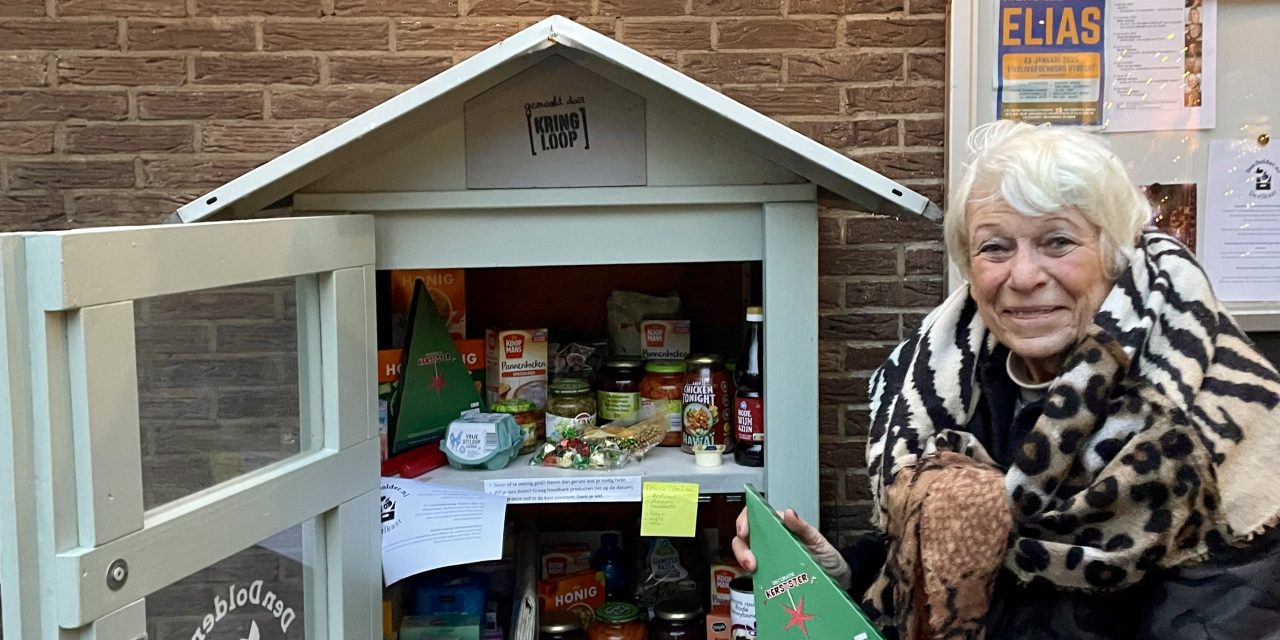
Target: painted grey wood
[[193, 533], [68, 266], [26, 612], [372, 130], [355, 567], [104, 414], [371, 202], [349, 344], [791, 356], [517, 238], [127, 623]]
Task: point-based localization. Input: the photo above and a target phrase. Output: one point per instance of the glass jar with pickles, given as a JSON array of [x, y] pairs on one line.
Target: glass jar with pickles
[[662, 390], [525, 413], [571, 405]]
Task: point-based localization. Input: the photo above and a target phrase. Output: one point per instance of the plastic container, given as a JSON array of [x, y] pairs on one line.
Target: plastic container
[[609, 560], [662, 390], [708, 455], [678, 620], [525, 413], [485, 441], [618, 621]]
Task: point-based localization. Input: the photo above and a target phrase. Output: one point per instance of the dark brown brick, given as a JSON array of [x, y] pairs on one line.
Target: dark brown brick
[[606, 25], [904, 164], [59, 34], [634, 8], [130, 138], [733, 68], [123, 8], [203, 35], [780, 33], [253, 68], [866, 358], [217, 304], [325, 35], [174, 338], [257, 137], [919, 7], [828, 420], [185, 404], [897, 293], [23, 70], [71, 174], [538, 8], [250, 403], [26, 139], [193, 173], [857, 421], [830, 294], [737, 8], [935, 192], [844, 7], [199, 105], [227, 371], [327, 103], [30, 212], [788, 101], [876, 228], [881, 101], [925, 133], [121, 70], [927, 66], [22, 8], [666, 34], [129, 207], [382, 8], [857, 486], [256, 337], [452, 35], [829, 481], [830, 230], [830, 358], [925, 262], [845, 67], [896, 32], [238, 8], [850, 262], [383, 69], [911, 322], [834, 453], [846, 134], [63, 105], [858, 326]]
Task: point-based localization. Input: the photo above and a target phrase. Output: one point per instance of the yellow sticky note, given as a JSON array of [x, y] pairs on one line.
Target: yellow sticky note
[[669, 509]]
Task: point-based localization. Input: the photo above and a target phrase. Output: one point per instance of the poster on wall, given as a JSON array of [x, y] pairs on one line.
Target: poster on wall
[[1161, 63], [556, 124], [1173, 210], [1242, 221], [1049, 61]]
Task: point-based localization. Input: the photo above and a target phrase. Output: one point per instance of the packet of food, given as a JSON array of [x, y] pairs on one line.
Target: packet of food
[[625, 311]]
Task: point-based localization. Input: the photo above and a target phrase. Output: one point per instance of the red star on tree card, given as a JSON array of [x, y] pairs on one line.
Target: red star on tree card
[[795, 599]]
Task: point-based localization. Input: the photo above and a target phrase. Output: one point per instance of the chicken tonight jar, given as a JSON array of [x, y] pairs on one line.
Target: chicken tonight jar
[[706, 403]]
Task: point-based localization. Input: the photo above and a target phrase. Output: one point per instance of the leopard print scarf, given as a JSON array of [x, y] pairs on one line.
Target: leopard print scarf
[[1157, 443]]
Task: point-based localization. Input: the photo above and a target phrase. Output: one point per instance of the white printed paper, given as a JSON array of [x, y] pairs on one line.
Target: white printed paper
[[426, 526], [585, 489], [1161, 65], [1242, 221]]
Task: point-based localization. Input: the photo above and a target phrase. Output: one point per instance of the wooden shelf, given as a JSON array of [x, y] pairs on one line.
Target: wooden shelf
[[662, 464]]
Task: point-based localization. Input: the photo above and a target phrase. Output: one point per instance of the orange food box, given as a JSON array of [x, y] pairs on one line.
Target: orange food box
[[564, 559], [447, 288], [722, 573], [578, 593], [718, 623]]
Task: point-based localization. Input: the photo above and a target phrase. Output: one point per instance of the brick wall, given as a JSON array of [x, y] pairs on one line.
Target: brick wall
[[118, 111]]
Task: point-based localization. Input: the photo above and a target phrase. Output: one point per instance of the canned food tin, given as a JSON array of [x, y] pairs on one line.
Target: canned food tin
[[742, 609]]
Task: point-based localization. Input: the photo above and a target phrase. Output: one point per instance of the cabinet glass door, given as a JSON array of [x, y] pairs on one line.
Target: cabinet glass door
[[202, 431]]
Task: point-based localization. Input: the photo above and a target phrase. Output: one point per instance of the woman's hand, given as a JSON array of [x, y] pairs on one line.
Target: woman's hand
[[822, 550]]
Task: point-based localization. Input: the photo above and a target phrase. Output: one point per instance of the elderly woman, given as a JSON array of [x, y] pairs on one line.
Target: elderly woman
[[1079, 443]]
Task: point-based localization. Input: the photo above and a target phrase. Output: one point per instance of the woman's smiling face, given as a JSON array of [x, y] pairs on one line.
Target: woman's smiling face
[[1038, 281]]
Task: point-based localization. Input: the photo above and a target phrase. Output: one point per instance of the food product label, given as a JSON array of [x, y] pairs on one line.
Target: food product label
[[528, 434], [618, 406], [472, 441], [447, 288], [556, 425], [516, 365], [664, 339], [664, 562], [750, 422], [742, 613], [702, 419], [670, 407]]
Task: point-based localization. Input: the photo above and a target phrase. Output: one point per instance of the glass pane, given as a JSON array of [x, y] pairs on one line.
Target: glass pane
[[217, 385], [257, 594]]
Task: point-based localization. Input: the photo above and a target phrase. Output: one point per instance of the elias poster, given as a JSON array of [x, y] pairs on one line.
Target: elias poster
[[1049, 61]]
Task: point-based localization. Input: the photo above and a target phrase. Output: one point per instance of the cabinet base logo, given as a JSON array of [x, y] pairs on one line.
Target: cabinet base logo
[[247, 598]]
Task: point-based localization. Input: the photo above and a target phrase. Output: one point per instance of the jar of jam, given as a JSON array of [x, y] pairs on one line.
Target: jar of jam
[[706, 404], [662, 390], [525, 413], [618, 389], [560, 625], [677, 620], [618, 621], [571, 405]]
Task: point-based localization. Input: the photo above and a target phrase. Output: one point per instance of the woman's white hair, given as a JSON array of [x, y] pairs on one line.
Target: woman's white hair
[[1040, 170]]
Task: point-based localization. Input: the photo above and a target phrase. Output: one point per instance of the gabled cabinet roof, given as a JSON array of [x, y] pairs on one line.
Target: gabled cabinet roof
[[433, 104]]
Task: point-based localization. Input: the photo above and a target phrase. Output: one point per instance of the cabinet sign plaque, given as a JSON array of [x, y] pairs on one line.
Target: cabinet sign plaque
[[555, 124]]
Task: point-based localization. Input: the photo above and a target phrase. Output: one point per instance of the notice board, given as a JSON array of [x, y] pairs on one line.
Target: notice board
[[1247, 107]]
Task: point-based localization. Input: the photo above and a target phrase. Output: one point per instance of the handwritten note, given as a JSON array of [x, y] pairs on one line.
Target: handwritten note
[[586, 489], [669, 509]]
